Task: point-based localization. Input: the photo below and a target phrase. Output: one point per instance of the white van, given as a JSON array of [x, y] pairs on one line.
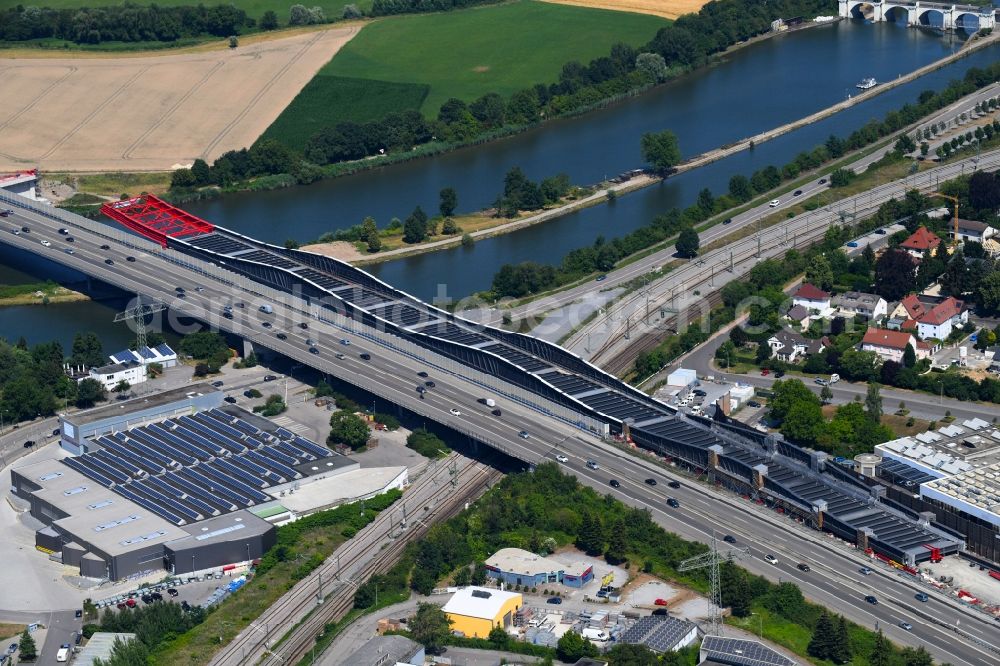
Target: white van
[[63, 654], [834, 378]]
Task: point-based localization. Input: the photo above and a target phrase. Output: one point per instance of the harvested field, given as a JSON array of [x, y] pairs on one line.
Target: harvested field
[[667, 8], [153, 112]]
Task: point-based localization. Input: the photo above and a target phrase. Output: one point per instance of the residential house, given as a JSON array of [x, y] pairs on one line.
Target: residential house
[[109, 375], [931, 316], [970, 230], [799, 316], [890, 345], [812, 298], [859, 304], [791, 347], [919, 242]]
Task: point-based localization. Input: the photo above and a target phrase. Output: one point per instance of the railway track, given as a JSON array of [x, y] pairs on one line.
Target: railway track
[[436, 492]]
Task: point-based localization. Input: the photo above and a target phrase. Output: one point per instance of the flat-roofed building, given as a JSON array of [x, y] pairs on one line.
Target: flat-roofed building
[[475, 611], [515, 566]]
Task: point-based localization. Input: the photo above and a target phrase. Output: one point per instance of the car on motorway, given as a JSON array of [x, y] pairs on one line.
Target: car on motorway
[[673, 503], [338, 355], [63, 231], [674, 484], [561, 458], [281, 336], [68, 250], [109, 261], [650, 482], [729, 538], [365, 356], [774, 203], [614, 483], [345, 342], [46, 243], [130, 258], [199, 289], [770, 559], [728, 220], [422, 373], [920, 596], [217, 383], [303, 326], [496, 412], [179, 290], [266, 324], [802, 566], [429, 384], [70, 239], [26, 230], [523, 434], [227, 315], [865, 571], [230, 399], [455, 412], [5, 212], [822, 181], [421, 390], [871, 599], [906, 625], [16, 232], [796, 193], [270, 378], [592, 464], [105, 247], [554, 600], [601, 278], [181, 294]]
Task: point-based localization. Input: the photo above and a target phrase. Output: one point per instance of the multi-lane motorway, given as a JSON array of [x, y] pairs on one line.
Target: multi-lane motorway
[[834, 580]]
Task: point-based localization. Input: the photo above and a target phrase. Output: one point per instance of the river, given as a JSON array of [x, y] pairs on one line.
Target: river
[[753, 89]]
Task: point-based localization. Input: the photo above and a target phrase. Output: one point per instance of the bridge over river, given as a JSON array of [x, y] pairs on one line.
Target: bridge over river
[[942, 15]]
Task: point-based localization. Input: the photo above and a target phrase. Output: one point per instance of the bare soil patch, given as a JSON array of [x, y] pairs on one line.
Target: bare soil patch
[[338, 250], [152, 113], [667, 8]]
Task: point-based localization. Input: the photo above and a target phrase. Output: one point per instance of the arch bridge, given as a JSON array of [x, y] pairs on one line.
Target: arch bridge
[[942, 15]]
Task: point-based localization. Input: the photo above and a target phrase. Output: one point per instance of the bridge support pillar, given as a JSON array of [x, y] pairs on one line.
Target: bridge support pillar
[[247, 347], [819, 508]]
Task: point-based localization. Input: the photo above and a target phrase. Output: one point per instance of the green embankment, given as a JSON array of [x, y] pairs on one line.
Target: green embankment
[[253, 8], [463, 54]]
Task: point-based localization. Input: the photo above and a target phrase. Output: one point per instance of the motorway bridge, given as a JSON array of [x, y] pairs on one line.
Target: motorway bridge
[[312, 296]]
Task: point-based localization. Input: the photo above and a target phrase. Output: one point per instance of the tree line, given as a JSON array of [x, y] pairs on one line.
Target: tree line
[[122, 23]]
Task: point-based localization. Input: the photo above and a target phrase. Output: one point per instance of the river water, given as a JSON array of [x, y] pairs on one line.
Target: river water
[[756, 88]]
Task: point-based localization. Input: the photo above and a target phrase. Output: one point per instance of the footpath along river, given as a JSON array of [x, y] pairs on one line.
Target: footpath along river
[[756, 88]]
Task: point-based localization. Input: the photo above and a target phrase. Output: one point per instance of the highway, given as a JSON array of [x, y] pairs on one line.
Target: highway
[[393, 376]]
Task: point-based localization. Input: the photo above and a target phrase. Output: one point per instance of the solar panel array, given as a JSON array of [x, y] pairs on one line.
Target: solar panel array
[[739, 652], [196, 466], [657, 632]]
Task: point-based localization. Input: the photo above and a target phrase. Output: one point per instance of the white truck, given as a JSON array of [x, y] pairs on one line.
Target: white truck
[[597, 635], [490, 402]]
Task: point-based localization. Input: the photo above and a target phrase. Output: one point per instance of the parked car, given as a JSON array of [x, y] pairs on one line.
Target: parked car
[[230, 399], [660, 602], [248, 393], [172, 591], [753, 403], [270, 378], [554, 600], [217, 383], [765, 372]]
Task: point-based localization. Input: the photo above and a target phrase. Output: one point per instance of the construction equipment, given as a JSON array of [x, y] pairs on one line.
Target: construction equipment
[[954, 239], [137, 315], [712, 559]]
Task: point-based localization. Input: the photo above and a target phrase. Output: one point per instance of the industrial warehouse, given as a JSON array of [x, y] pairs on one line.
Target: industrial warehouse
[[180, 482]]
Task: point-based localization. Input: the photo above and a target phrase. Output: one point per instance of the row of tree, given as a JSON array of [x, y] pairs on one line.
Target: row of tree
[[122, 23]]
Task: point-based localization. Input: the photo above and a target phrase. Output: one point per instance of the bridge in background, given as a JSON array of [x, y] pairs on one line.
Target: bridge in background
[[946, 16], [546, 386]]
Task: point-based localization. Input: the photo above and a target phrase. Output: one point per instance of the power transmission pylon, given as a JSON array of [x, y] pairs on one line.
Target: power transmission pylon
[[712, 559], [137, 315]]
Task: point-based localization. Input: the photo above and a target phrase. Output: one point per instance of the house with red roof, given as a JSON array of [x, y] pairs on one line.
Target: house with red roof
[[919, 242], [891, 345], [812, 298], [931, 316]]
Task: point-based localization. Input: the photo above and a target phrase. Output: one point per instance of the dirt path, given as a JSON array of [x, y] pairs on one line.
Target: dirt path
[[152, 112]]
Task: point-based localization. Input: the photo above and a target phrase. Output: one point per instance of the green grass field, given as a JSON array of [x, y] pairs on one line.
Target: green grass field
[[327, 97], [254, 8], [500, 48]]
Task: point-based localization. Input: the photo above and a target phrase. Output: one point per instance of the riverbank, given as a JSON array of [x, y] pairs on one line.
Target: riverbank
[[38, 294]]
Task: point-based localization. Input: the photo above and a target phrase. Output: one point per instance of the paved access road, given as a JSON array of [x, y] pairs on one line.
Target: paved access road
[[392, 375]]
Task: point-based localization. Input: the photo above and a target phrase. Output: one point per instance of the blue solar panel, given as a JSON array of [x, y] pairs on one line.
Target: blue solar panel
[[145, 451], [152, 506], [252, 480], [164, 487], [256, 469], [271, 463], [167, 440], [164, 350], [212, 485], [106, 470], [130, 455], [298, 454], [208, 429], [199, 439], [277, 455], [122, 357], [159, 443], [215, 473], [219, 421], [285, 434], [116, 462], [195, 491], [88, 472], [182, 439], [147, 353], [163, 500], [306, 445]]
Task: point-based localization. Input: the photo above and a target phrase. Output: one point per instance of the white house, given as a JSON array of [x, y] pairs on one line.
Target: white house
[[860, 304], [970, 230], [942, 319], [812, 298], [791, 347], [110, 375]]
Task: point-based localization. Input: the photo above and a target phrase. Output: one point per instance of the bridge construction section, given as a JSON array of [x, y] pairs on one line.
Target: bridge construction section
[[549, 396], [946, 16]]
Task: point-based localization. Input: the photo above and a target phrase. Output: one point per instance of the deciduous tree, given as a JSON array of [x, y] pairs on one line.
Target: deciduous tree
[[660, 150]]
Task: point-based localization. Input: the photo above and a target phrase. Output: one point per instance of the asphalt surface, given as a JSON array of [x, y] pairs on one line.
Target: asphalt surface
[[392, 375]]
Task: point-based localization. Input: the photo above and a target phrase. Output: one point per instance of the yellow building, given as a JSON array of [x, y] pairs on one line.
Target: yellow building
[[476, 610]]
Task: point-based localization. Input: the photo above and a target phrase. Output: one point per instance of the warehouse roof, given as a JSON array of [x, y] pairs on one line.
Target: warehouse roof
[[380, 650], [660, 633], [99, 647], [516, 560], [479, 602], [146, 402]]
